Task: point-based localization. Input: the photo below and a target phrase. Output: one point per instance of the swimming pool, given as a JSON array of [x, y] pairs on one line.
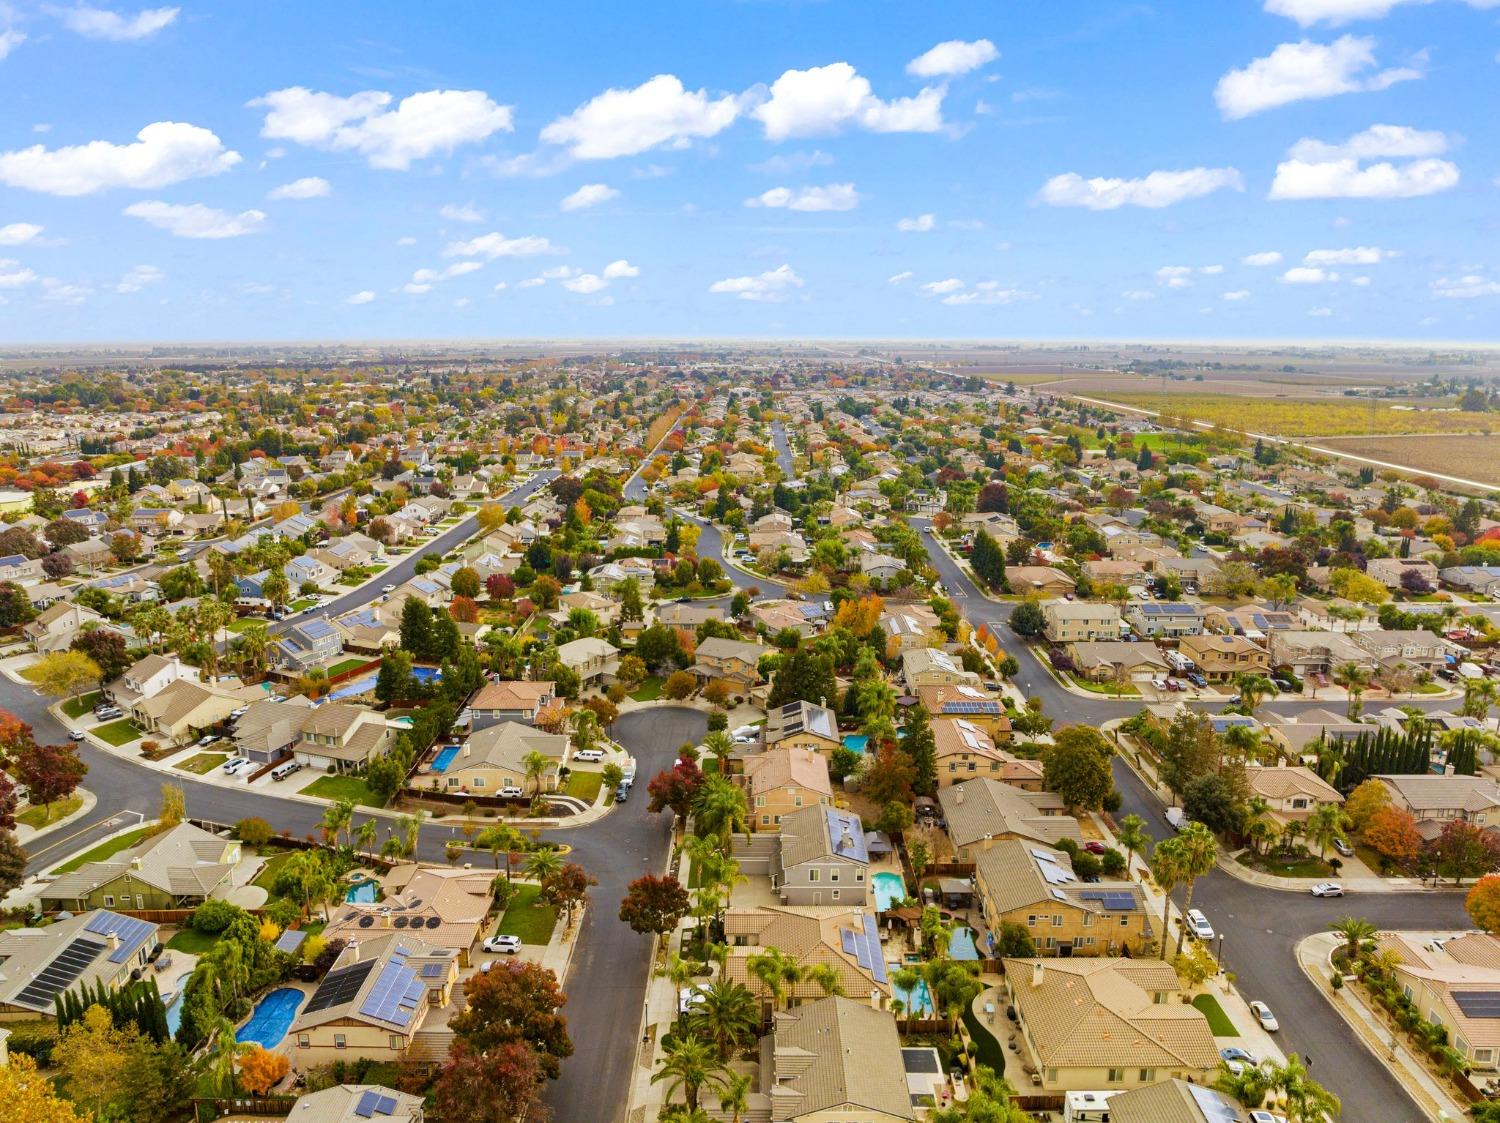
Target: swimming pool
[[961, 944], [889, 888], [273, 1016], [174, 1008], [856, 742], [445, 758], [363, 893], [916, 1002], [426, 674]]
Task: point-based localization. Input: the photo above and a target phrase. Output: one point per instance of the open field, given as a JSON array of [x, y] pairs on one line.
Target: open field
[[1327, 418], [1238, 384], [1472, 457]]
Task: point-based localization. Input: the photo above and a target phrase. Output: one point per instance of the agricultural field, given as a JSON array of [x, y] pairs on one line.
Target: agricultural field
[[1303, 418], [1468, 457]]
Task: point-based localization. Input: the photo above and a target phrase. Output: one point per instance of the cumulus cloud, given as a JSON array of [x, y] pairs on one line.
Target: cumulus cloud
[[1315, 169], [495, 244], [770, 286], [1303, 71], [19, 233], [364, 296], [1159, 189], [308, 187], [952, 58], [657, 112], [1353, 255], [419, 126], [416, 288], [988, 292], [1465, 288], [14, 275], [1138, 294], [943, 287], [139, 277], [99, 23], [1237, 295], [1174, 276], [163, 153], [1338, 12], [10, 39], [64, 292], [918, 225], [825, 100], [1269, 257], [585, 284], [589, 195], [616, 270], [457, 269], [1308, 275], [465, 212], [194, 220], [833, 197]]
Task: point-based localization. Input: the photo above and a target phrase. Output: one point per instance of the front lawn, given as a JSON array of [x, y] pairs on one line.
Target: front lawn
[[105, 849], [584, 786], [344, 787], [1218, 1021], [193, 942], [648, 691], [118, 733], [203, 763], [77, 707], [245, 623], [1110, 689], [1287, 867], [39, 817], [528, 917]]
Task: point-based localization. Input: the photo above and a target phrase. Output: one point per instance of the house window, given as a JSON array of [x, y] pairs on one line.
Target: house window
[[835, 894], [338, 1040], [1052, 1076], [1148, 1076], [797, 801], [765, 820], [1031, 921], [760, 801], [859, 875], [396, 1043], [1116, 1076], [479, 781], [833, 875], [303, 1041], [140, 901], [109, 901], [1057, 921], [812, 875]]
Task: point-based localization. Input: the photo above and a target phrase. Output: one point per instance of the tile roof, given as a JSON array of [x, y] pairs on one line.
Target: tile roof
[[832, 1052], [978, 809]]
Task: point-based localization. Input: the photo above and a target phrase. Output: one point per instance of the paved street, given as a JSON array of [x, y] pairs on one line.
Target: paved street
[[783, 449]]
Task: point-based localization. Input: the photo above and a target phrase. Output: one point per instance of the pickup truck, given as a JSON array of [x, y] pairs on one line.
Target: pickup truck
[[1176, 818]]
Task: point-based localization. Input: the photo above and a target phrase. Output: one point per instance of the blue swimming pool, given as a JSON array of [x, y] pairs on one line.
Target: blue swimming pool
[[856, 742], [961, 944], [273, 1016], [174, 1008], [426, 674], [889, 889], [445, 758], [916, 1002], [363, 893]]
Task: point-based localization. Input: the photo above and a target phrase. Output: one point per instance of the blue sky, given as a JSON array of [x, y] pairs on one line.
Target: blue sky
[[1240, 169]]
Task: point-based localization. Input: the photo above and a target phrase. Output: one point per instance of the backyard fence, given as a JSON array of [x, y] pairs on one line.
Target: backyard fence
[[205, 1109]]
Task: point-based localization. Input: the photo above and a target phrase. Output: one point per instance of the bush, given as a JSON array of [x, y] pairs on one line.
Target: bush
[[214, 915], [254, 831], [35, 1039]]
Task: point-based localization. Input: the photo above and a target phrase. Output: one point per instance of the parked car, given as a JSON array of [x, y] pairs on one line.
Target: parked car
[[1234, 1053], [510, 792], [1264, 1016], [207, 739], [1198, 925], [1327, 889], [503, 945], [1197, 680], [1094, 846], [1343, 847], [388, 588], [1176, 818], [108, 713], [1260, 1115], [285, 769], [236, 764], [75, 735], [589, 756], [622, 793]]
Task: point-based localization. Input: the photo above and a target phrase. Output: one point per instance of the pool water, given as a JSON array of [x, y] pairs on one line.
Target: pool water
[[856, 742], [917, 1002], [445, 758], [889, 889], [363, 893], [273, 1016], [961, 944], [426, 674], [174, 1008]]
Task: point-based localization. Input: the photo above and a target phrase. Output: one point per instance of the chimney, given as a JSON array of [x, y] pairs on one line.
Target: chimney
[[113, 939], [959, 793], [466, 748], [137, 863], [1037, 973]]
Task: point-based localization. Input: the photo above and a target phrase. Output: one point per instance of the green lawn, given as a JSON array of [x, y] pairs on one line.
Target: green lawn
[[267, 876], [1109, 689], [203, 763], [104, 850], [301, 604], [193, 942], [648, 691], [528, 917], [39, 817], [1218, 1021], [1288, 867], [245, 623], [343, 787], [77, 707], [32, 673], [989, 1051], [345, 665], [117, 733], [584, 786]]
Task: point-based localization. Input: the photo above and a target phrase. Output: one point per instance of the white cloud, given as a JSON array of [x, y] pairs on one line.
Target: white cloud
[[1338, 12], [586, 284], [18, 233], [1374, 142], [1308, 275], [530, 283], [918, 225], [457, 269], [1465, 288], [10, 39], [139, 277], [194, 220], [1138, 294], [589, 195], [1237, 294], [500, 286], [461, 302], [14, 275], [419, 126], [1320, 311], [618, 269], [364, 296], [495, 245], [825, 99], [1303, 71], [559, 272], [899, 278], [406, 240], [1317, 170], [1211, 270], [771, 286], [833, 197], [1361, 282], [1269, 257], [1159, 189], [941, 288], [624, 122], [62, 292], [1354, 255], [308, 187], [989, 292], [416, 288], [793, 162], [164, 153], [952, 58], [466, 212], [1174, 276], [98, 23]]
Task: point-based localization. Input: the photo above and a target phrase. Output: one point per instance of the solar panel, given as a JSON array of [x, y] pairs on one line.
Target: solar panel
[[340, 986], [290, 940], [432, 922], [60, 974], [131, 932], [371, 1104], [384, 999], [1215, 1108], [431, 970], [1111, 900], [1478, 1003]]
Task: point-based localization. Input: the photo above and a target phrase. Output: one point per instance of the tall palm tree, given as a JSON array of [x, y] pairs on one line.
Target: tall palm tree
[[1479, 696], [726, 1014], [936, 932], [1325, 826], [677, 970], [1253, 690], [337, 819], [690, 1065], [365, 835], [221, 1059], [535, 764], [409, 828], [720, 810], [585, 728], [1355, 678], [735, 1097], [541, 862], [719, 745], [1132, 835], [777, 972], [826, 977], [1199, 851], [1355, 931], [1167, 869]]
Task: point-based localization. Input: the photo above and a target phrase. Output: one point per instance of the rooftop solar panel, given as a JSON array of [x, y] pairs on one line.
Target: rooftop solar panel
[[921, 1060], [59, 974], [340, 986], [1478, 1003], [130, 931], [1215, 1108]]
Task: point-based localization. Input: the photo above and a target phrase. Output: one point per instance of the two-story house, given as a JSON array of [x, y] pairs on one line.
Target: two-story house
[[494, 760], [729, 661], [510, 700], [591, 659], [1436, 801], [964, 750], [1065, 621], [311, 642], [147, 677], [802, 725], [782, 781], [1165, 620], [822, 859], [338, 737], [1223, 657], [83, 950], [179, 868]]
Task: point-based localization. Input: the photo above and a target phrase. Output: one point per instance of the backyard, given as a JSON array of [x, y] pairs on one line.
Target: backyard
[[528, 917], [344, 787]]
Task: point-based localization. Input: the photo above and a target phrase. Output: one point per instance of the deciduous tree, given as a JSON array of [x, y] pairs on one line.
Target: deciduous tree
[[516, 1001], [654, 904]]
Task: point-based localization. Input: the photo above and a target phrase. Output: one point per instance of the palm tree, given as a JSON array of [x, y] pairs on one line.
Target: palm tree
[[735, 1097], [410, 828], [1355, 678], [337, 819], [1355, 931], [690, 1065], [720, 810], [365, 835], [1253, 690], [1304, 1099], [826, 977], [726, 1014], [678, 970], [720, 745], [1132, 836], [777, 972], [541, 862], [936, 932], [585, 728], [1325, 826], [1479, 696], [535, 764], [1166, 868], [498, 838], [221, 1059], [1199, 854]]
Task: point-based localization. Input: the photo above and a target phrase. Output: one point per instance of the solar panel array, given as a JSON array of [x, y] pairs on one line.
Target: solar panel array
[[60, 974], [1112, 900], [954, 707], [921, 1060], [340, 986], [1054, 873], [132, 932], [1215, 1108], [864, 945], [372, 1104], [290, 940], [1478, 1003], [396, 993]]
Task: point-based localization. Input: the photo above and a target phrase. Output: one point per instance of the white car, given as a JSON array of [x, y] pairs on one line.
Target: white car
[[76, 735], [1259, 1116], [387, 588], [1327, 889], [1198, 925], [236, 764], [589, 756], [503, 945], [1264, 1016], [511, 793]]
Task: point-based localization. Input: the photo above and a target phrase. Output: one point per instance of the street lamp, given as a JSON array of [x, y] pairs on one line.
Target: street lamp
[[1221, 952]]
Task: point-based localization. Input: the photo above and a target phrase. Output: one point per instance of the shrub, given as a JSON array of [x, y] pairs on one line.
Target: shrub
[[214, 915], [34, 1039], [254, 831]]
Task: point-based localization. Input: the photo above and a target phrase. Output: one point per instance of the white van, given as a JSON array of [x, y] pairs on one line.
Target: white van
[[589, 756], [1176, 818], [282, 771]]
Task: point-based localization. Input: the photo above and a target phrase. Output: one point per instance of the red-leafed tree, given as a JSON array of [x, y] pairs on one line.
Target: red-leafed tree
[[1392, 833], [654, 904], [677, 787], [50, 773], [567, 887], [1465, 850], [516, 1002], [491, 1086], [15, 736], [499, 586]]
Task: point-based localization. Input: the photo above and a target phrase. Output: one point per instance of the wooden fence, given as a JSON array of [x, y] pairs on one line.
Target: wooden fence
[[205, 1109]]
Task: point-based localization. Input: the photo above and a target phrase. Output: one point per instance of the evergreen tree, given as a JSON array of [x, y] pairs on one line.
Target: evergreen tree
[[988, 560], [919, 744], [416, 628], [804, 676]]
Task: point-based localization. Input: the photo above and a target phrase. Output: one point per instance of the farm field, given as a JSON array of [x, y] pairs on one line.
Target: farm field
[[1472, 457], [1328, 418]]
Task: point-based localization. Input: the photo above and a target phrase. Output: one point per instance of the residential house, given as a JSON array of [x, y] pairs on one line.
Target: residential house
[[1483, 580], [1106, 1023], [1391, 572], [55, 628], [182, 709], [83, 950], [730, 661], [90, 555], [493, 760], [909, 627], [591, 659], [1066, 621], [782, 781], [497, 702], [270, 729], [1221, 657], [1317, 655], [802, 725], [1415, 649], [1165, 620], [932, 666], [1018, 882], [1170, 1101], [1292, 792], [447, 906], [338, 737], [983, 812], [1117, 661], [178, 869], [1039, 581], [822, 858], [357, 1103], [802, 617], [965, 751], [20, 569], [847, 942], [154, 521], [881, 567], [148, 676], [970, 703], [313, 641], [1453, 983], [1436, 801]]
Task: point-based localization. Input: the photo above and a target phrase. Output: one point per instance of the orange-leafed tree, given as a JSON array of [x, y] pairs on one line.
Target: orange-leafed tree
[[859, 615], [1483, 904], [261, 1070], [1392, 833]]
